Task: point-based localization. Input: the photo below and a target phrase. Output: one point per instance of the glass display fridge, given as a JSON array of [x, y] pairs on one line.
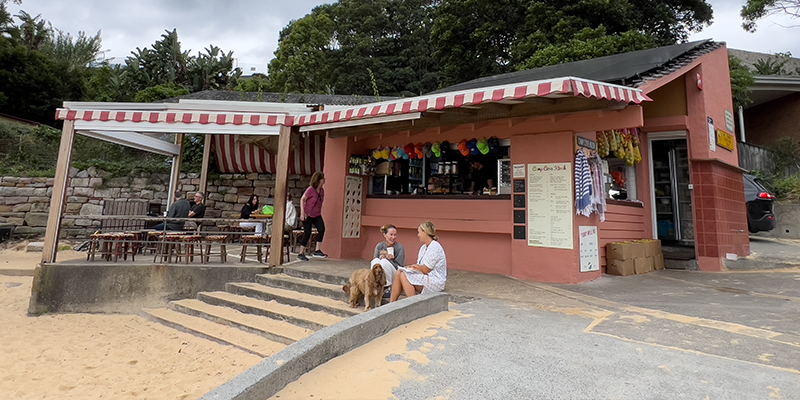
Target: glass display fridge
[[673, 197]]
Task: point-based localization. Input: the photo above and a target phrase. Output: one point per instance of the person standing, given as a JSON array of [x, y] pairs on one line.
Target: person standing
[[481, 177], [179, 209], [311, 215]]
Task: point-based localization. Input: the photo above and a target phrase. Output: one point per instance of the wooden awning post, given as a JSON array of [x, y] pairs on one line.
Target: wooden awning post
[[176, 170], [281, 176], [204, 169], [59, 195]]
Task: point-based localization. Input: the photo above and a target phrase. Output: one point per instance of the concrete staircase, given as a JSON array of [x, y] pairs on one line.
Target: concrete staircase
[[264, 316]]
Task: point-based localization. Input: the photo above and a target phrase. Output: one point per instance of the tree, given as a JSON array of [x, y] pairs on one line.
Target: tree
[[77, 53], [334, 48], [754, 10], [474, 38], [741, 81]]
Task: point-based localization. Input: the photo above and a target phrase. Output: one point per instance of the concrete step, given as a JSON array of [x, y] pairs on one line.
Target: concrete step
[[302, 317], [274, 330], [318, 276], [219, 333], [292, 298], [304, 285]]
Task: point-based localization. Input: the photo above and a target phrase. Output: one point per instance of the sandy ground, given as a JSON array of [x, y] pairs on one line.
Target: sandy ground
[[90, 356], [373, 370]]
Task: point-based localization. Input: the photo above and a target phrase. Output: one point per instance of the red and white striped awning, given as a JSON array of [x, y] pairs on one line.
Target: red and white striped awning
[[558, 87], [185, 117], [234, 157], [545, 88]]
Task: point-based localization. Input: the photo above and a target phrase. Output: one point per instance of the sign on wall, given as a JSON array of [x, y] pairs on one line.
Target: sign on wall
[[725, 139], [729, 120], [519, 171], [550, 205], [590, 249], [352, 207], [712, 135]]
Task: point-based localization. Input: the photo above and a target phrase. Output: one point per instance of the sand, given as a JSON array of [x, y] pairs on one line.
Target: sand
[[374, 369], [91, 356]]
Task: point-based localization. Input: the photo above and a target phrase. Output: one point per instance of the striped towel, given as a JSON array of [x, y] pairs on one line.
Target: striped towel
[[583, 185]]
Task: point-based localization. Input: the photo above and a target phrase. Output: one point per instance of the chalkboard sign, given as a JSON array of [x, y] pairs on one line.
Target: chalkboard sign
[[519, 186], [519, 232], [519, 216], [519, 201]]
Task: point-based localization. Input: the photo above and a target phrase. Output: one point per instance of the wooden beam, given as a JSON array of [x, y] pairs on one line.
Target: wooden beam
[[176, 170], [281, 176], [204, 168], [59, 195]]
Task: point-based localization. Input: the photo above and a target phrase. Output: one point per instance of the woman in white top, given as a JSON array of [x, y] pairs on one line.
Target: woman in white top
[[429, 273]]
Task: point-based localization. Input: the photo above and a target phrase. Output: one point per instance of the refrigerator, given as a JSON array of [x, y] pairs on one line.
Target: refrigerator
[[672, 191]]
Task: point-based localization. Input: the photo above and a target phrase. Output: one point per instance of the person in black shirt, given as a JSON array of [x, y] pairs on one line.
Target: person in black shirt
[[481, 177], [198, 210], [250, 207]]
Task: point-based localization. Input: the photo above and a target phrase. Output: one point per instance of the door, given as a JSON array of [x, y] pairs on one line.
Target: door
[[672, 195]]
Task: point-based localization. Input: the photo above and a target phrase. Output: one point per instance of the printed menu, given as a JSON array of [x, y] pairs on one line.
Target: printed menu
[[550, 205]]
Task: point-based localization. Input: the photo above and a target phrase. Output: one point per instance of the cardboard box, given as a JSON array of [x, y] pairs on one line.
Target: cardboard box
[[642, 265], [658, 262], [383, 168], [620, 267], [652, 248], [625, 251]]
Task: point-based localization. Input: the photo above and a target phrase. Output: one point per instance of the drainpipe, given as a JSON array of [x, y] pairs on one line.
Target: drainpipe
[[741, 124]]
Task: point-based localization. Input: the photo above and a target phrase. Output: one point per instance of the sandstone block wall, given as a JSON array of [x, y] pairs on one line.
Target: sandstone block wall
[[25, 202]]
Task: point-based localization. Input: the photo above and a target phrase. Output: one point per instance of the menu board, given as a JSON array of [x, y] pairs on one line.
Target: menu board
[[352, 207], [550, 205]]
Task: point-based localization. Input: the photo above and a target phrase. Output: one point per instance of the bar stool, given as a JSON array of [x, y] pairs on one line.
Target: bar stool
[[222, 241], [154, 239], [122, 245], [139, 240], [188, 242], [99, 242], [257, 241], [169, 246], [297, 234]]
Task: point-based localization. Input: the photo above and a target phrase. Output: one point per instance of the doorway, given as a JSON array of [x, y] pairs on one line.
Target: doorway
[[672, 197]]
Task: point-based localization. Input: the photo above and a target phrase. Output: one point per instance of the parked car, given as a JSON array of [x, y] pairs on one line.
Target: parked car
[[760, 205]]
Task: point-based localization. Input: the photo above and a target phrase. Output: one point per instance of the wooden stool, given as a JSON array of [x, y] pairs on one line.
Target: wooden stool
[[154, 239], [188, 242], [139, 240], [100, 242], [297, 234], [170, 245], [122, 245], [222, 240], [253, 240]]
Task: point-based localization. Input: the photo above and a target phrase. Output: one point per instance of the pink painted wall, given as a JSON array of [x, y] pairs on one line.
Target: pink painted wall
[[337, 161]]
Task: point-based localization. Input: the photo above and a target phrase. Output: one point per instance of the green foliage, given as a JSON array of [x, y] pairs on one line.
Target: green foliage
[[741, 81], [160, 92], [33, 85], [76, 53], [303, 60], [753, 10], [33, 151], [587, 44], [786, 153], [772, 66], [785, 188], [192, 160]]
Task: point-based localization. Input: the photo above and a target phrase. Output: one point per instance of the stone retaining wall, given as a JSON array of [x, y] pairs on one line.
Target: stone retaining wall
[[25, 202]]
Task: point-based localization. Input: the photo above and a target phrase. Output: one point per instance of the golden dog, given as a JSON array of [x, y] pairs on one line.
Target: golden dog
[[369, 282]]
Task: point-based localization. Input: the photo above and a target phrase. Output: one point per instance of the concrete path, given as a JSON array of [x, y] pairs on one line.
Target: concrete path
[[662, 335]]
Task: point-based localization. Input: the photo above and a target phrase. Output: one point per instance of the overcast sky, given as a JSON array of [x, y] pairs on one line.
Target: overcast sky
[[250, 28]]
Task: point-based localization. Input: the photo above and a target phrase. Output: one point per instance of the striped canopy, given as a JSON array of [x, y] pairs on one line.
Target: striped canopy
[[235, 157]]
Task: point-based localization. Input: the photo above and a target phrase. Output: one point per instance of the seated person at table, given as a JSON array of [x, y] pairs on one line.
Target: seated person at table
[[251, 207], [429, 274], [179, 209], [390, 261], [291, 214], [198, 211]]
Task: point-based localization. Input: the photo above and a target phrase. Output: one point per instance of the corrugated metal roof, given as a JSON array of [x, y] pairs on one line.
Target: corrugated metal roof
[[298, 98]]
